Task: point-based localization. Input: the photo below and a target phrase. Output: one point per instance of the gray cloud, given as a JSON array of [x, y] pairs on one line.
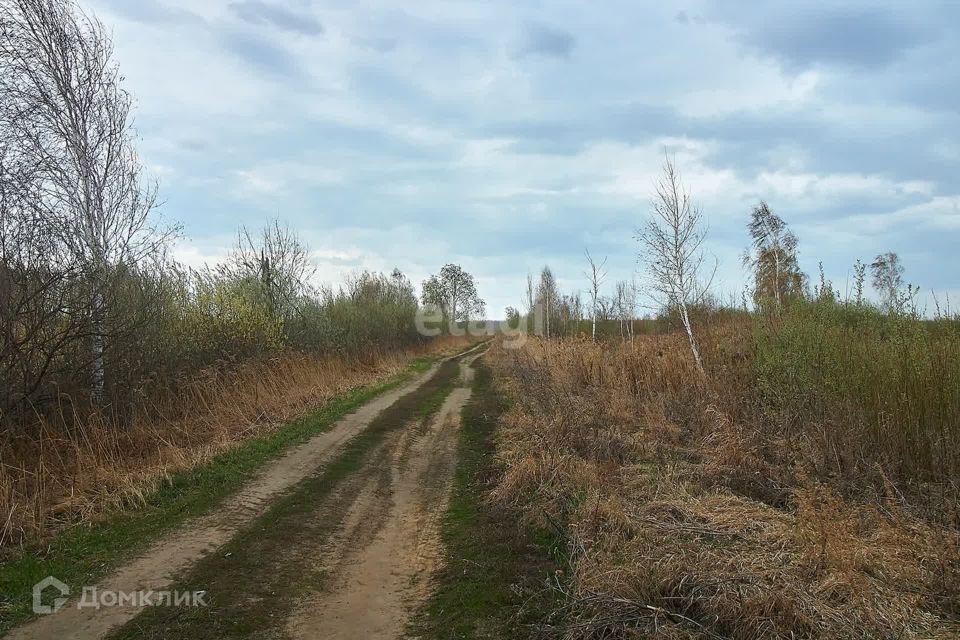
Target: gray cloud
[[153, 12], [632, 123], [263, 55], [540, 39], [257, 12], [684, 18], [744, 140], [514, 164], [193, 145], [382, 44], [804, 36]]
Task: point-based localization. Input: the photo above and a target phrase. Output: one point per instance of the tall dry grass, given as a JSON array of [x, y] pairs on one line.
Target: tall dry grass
[[692, 511], [57, 475]]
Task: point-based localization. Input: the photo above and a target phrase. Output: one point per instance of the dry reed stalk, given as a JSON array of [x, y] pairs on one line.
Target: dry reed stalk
[[59, 478]]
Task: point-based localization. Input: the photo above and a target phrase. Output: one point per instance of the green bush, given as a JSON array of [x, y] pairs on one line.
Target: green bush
[[884, 388], [225, 320], [371, 312]]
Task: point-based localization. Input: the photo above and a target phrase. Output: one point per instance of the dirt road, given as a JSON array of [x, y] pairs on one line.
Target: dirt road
[[336, 539], [382, 560]]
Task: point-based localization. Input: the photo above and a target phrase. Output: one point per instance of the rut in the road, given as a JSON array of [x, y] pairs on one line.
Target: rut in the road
[[381, 561], [170, 562]]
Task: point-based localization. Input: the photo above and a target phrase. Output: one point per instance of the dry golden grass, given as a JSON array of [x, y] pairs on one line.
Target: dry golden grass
[[64, 476], [690, 514]]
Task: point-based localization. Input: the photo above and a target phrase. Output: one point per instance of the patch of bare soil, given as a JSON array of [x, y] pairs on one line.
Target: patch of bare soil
[[380, 562], [157, 567]]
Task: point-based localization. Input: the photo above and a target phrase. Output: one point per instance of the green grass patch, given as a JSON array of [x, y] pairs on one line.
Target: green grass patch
[[495, 582], [422, 364], [428, 405], [84, 554]]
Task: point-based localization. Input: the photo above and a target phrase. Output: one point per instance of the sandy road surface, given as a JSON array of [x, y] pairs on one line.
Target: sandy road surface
[[384, 554]]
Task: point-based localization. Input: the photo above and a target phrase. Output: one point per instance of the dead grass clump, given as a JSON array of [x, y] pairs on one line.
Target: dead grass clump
[[723, 565], [688, 514], [551, 479], [739, 458], [58, 476]]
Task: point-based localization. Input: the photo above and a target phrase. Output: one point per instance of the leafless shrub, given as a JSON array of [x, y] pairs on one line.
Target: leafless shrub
[[277, 263]]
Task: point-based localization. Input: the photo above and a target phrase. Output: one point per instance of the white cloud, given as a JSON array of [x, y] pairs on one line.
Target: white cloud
[[272, 178], [189, 254], [940, 213]]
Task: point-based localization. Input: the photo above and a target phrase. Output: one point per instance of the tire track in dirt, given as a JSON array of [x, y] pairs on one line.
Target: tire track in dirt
[[379, 574], [157, 568], [255, 581]]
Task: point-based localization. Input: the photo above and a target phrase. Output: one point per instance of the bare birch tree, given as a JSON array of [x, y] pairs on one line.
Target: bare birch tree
[[887, 279], [671, 248], [596, 274], [37, 292], [531, 312], [548, 298], [633, 298], [65, 109], [625, 298], [576, 311]]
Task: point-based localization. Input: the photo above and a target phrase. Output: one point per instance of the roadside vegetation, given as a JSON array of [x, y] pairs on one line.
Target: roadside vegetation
[[83, 554], [741, 505], [785, 467]]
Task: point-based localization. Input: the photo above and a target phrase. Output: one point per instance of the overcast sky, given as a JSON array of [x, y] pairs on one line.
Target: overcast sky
[[505, 135]]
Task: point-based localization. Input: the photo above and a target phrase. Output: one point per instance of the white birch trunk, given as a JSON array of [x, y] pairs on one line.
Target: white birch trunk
[[97, 348], [693, 341]]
